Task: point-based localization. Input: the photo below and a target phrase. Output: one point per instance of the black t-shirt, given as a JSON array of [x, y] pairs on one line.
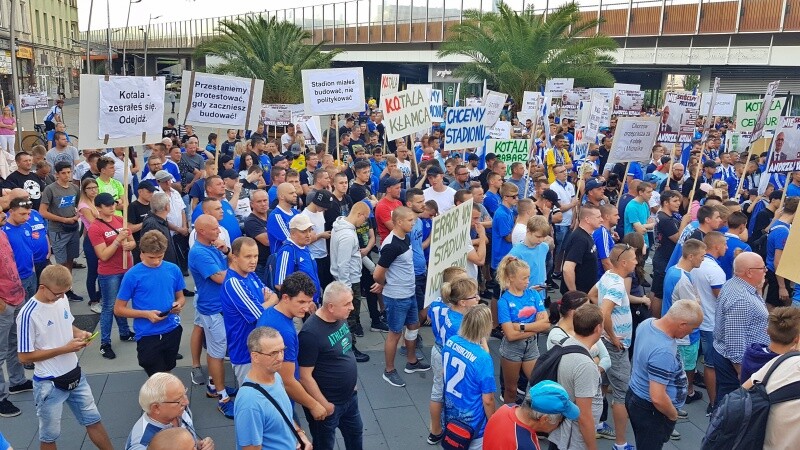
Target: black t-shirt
[[697, 234], [621, 205], [358, 192], [168, 132], [186, 138], [136, 214], [763, 219], [305, 180], [581, 249], [328, 348], [666, 226], [339, 208], [254, 226], [32, 184]]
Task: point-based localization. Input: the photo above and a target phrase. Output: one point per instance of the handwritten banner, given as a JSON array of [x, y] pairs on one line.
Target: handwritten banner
[[406, 112], [390, 84], [450, 244], [464, 127], [494, 102], [333, 91], [509, 151], [130, 106], [437, 106]]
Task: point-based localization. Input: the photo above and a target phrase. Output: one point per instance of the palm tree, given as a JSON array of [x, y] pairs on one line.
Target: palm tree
[[517, 52], [276, 52]]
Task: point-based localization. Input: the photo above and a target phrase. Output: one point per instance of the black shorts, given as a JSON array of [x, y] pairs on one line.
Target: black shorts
[[157, 353], [657, 287]]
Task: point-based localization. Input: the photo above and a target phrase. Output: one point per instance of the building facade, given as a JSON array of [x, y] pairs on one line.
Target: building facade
[[56, 57]]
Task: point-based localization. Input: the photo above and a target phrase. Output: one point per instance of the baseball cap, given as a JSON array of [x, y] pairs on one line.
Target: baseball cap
[[147, 185], [551, 195], [300, 222], [435, 170], [594, 183], [548, 397], [278, 159], [104, 199], [388, 182], [594, 153], [322, 198], [163, 175], [229, 174]]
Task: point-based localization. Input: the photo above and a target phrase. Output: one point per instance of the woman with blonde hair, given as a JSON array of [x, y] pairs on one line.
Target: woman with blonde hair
[[88, 213]]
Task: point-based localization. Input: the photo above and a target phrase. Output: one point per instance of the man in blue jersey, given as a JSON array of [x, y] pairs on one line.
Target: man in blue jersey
[[151, 293], [243, 298], [779, 289], [605, 236], [208, 267], [215, 189], [55, 115], [294, 255], [278, 220], [737, 228]]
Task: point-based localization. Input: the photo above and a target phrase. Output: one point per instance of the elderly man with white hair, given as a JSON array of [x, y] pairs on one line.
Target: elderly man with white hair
[[165, 403]]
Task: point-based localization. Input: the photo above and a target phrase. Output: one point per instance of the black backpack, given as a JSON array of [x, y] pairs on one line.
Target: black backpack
[[547, 364], [760, 245], [272, 267], [740, 421]]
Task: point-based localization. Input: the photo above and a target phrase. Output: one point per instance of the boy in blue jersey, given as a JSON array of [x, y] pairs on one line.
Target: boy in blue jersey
[[278, 220], [534, 251], [151, 294], [737, 227], [243, 297], [295, 256], [19, 236]]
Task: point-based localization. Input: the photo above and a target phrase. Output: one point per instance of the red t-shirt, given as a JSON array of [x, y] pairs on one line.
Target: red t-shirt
[[11, 289], [102, 233], [505, 432], [383, 214]]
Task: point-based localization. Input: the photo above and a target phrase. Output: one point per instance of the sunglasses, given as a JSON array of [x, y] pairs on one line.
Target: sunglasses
[[627, 247]]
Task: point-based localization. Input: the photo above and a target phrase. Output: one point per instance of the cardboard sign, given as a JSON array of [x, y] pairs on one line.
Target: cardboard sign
[[406, 112], [333, 91], [390, 84], [464, 127], [785, 154], [220, 101], [634, 139], [130, 107], [500, 130], [723, 106], [571, 101], [555, 87], [678, 117], [509, 151], [437, 106], [747, 113], [494, 102], [789, 265], [761, 118], [450, 244], [531, 104], [608, 95], [628, 103]]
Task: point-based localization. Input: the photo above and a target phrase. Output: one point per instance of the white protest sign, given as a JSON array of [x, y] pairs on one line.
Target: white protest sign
[[32, 101], [608, 95], [217, 100], [406, 112], [784, 155], [437, 106], [500, 130], [596, 107], [277, 115], [390, 83], [464, 127], [333, 91], [555, 87], [509, 151], [450, 244], [130, 106], [747, 113], [724, 104], [678, 117], [308, 125], [627, 87], [473, 101], [628, 103], [531, 104], [494, 102], [634, 139], [571, 100], [761, 119]]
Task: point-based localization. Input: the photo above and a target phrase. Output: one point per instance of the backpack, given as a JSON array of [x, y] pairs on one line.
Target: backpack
[[760, 245], [547, 364], [740, 421], [272, 268]]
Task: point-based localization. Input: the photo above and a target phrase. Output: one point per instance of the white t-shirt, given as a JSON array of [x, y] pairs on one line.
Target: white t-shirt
[[472, 269], [518, 233], [176, 207], [42, 326], [119, 168], [611, 287], [226, 238], [565, 195], [444, 199], [317, 248], [707, 277]]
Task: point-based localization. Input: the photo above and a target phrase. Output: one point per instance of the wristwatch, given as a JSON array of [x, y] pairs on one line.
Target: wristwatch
[[522, 327]]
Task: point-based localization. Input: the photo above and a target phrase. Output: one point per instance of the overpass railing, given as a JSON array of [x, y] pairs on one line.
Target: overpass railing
[[413, 21]]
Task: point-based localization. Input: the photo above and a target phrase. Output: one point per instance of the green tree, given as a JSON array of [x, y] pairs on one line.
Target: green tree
[[690, 82], [516, 52], [276, 52]]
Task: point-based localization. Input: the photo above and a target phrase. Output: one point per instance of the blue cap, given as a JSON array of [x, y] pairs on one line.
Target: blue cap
[[548, 397]]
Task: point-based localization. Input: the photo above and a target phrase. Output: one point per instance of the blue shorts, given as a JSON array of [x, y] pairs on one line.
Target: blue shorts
[[49, 401], [707, 347], [400, 312]]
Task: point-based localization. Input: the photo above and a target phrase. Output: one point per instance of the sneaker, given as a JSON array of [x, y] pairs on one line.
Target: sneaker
[[130, 337], [606, 432], [675, 435], [198, 377], [27, 386], [107, 352], [77, 265], [682, 414], [417, 352], [360, 356], [393, 378], [357, 330], [211, 392], [709, 410], [226, 407], [419, 366], [380, 326], [556, 276], [73, 297], [7, 409], [552, 286], [178, 356], [96, 308], [434, 439], [694, 397]]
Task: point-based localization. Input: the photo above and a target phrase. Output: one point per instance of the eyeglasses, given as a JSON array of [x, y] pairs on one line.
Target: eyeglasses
[[627, 247], [56, 294], [758, 268], [272, 354], [474, 297], [185, 396]]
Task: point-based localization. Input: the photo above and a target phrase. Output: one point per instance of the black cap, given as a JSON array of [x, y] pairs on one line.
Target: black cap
[[104, 199], [435, 170], [229, 174], [278, 159], [147, 185], [322, 198], [388, 182], [594, 153], [551, 195]]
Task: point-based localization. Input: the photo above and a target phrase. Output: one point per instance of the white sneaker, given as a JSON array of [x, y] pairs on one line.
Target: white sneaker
[[96, 308]]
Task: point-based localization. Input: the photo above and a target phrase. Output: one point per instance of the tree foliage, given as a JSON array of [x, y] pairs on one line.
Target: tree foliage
[[516, 52], [266, 49]]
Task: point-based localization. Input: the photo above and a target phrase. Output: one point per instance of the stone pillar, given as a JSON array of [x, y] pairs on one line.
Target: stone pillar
[[705, 80]]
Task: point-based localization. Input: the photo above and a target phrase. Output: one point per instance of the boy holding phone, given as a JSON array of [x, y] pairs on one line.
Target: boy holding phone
[[151, 293]]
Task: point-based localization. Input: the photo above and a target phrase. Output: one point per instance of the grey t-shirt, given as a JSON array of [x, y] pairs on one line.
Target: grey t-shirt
[[195, 162], [61, 202], [578, 374], [69, 154], [397, 258]]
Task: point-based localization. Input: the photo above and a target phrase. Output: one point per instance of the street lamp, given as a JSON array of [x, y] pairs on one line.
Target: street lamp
[[125, 37], [146, 33]]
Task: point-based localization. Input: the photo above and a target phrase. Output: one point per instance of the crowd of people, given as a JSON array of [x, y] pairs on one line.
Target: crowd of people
[[275, 232]]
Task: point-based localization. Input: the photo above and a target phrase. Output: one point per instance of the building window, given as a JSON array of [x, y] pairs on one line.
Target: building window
[[38, 26], [46, 28], [61, 30], [55, 36]]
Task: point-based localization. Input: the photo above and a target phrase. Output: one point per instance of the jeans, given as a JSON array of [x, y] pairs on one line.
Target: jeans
[[727, 378], [49, 401], [346, 418], [109, 287], [30, 285], [8, 350], [91, 270], [651, 428]]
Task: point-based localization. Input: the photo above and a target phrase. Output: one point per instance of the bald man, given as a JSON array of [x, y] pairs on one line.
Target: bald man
[[213, 208], [172, 439], [278, 221], [741, 320]]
